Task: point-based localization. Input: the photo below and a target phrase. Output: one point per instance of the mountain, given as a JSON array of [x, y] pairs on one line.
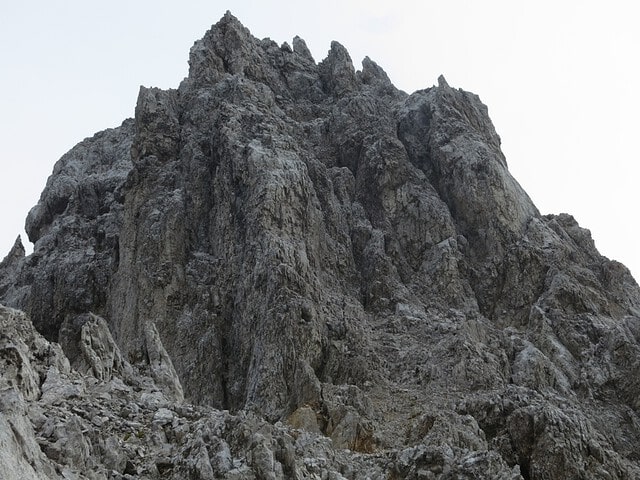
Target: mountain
[[291, 269]]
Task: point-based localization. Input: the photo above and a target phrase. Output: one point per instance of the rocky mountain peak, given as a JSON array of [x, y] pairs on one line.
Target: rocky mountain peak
[[442, 82], [283, 269], [300, 47], [336, 71], [16, 253], [373, 73]]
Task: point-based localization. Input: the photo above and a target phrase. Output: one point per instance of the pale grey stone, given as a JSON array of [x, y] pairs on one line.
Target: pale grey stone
[[284, 269]]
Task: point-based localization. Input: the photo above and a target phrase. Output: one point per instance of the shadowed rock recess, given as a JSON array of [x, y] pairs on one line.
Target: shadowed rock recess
[[291, 269]]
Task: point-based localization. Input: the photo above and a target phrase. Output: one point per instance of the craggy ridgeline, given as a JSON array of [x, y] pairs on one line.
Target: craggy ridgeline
[[291, 269]]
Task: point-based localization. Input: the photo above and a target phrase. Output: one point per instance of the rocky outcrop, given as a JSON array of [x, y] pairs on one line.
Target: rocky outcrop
[[75, 229], [10, 271], [61, 423], [304, 243]]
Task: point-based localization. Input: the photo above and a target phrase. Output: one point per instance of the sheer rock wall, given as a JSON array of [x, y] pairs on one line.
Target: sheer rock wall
[[304, 241]]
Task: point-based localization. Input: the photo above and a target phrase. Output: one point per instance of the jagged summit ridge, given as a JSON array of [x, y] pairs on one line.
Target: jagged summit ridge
[[229, 48], [306, 242]]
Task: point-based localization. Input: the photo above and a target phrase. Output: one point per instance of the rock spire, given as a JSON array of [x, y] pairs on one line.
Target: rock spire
[[291, 269]]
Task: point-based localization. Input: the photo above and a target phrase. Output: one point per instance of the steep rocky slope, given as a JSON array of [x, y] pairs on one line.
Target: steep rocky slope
[[295, 249]]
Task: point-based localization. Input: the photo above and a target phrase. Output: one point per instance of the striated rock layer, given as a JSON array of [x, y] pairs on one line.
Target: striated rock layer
[[302, 242]]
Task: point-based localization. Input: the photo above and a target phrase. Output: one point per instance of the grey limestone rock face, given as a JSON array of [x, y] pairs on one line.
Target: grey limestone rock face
[[320, 264], [75, 228]]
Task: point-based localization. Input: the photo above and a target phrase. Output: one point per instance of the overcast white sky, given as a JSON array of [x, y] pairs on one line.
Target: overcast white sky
[[561, 80]]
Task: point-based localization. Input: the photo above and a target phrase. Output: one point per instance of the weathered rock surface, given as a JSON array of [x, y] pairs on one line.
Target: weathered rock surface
[[291, 269]]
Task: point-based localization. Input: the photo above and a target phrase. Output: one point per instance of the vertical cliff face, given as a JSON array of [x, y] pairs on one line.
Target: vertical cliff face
[[75, 228], [306, 241]]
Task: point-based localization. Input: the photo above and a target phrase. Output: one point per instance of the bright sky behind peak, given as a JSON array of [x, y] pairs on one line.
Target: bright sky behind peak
[[560, 80]]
